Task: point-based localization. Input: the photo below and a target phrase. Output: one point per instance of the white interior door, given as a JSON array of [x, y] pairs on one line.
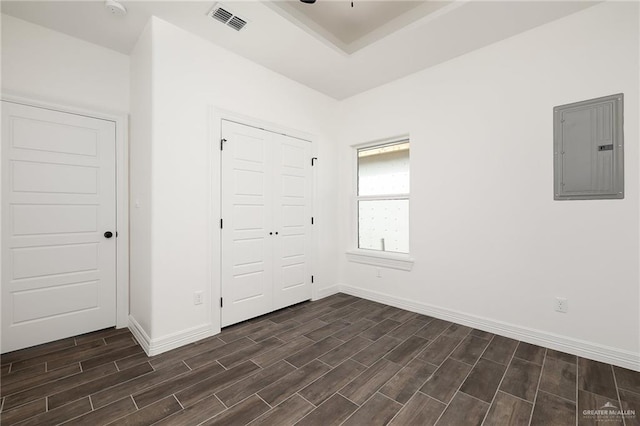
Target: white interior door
[[292, 196], [266, 209], [58, 200], [247, 206]]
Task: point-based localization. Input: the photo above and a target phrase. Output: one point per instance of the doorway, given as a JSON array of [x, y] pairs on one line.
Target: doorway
[[60, 217]]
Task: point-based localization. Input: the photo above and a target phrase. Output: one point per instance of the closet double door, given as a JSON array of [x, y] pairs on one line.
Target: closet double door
[[266, 221]]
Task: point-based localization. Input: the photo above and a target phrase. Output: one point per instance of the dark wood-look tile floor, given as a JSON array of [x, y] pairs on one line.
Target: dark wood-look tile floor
[[340, 360]]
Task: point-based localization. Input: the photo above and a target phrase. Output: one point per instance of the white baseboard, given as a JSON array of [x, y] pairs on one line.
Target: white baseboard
[[326, 292], [570, 345], [138, 332], [166, 343]]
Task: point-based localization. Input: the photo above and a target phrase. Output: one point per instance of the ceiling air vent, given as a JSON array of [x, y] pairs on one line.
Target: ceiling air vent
[[222, 14], [237, 23]]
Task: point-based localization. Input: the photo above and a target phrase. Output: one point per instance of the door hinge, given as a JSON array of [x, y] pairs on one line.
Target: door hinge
[[221, 302], [220, 223], [313, 161], [222, 141], [312, 220], [311, 279]]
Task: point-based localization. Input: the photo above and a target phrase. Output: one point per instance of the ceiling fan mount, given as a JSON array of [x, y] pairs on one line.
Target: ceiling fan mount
[[313, 1]]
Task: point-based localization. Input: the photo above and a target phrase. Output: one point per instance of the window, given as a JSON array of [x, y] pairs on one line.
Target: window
[[383, 197]]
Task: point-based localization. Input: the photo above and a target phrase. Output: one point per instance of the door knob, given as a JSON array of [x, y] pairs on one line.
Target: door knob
[[108, 234]]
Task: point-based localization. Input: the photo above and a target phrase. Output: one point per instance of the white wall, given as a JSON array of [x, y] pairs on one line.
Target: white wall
[[488, 239], [190, 76], [49, 66], [140, 152]]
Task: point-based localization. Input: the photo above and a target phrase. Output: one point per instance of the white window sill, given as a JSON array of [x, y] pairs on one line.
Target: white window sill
[[399, 261]]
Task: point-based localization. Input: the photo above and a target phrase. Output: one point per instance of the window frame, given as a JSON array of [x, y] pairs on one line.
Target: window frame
[[386, 259]]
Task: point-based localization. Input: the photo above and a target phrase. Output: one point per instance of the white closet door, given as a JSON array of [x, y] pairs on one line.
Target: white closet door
[[266, 209], [58, 200], [292, 194], [247, 206]]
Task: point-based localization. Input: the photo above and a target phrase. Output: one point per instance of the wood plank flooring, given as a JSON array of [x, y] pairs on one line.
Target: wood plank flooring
[[339, 360]]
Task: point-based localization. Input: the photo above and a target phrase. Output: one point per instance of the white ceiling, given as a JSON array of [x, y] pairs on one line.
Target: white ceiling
[[314, 50], [350, 26]]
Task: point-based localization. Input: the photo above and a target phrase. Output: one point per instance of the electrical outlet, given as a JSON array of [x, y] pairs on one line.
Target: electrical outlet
[[378, 273], [562, 305], [197, 298]]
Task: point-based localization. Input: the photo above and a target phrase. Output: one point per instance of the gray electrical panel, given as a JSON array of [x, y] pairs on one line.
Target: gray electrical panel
[[588, 149]]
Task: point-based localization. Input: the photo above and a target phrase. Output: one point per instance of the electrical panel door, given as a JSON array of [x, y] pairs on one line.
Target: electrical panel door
[[588, 149]]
